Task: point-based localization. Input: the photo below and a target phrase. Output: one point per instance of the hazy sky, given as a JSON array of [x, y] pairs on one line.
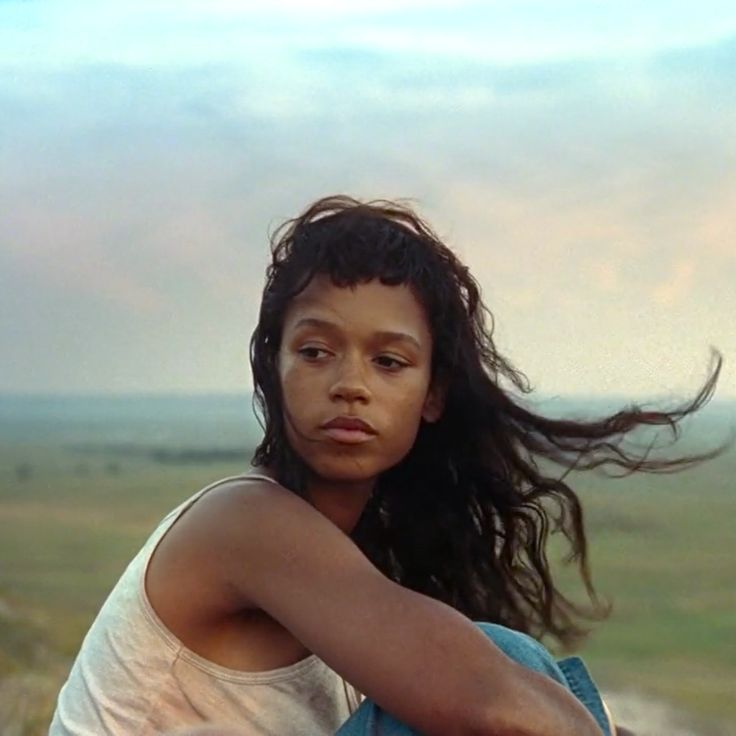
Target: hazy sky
[[580, 156]]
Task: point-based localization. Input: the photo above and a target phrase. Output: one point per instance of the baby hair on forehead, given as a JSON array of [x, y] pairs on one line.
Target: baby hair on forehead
[[466, 515]]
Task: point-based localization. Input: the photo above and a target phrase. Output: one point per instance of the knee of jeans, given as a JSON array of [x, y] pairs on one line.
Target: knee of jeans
[[523, 649]]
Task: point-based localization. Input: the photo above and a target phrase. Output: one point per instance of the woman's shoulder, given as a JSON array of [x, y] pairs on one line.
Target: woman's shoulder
[[257, 481], [198, 577], [227, 491], [230, 503], [186, 570]]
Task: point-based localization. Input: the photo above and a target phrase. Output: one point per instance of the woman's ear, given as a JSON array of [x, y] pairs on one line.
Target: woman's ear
[[434, 403]]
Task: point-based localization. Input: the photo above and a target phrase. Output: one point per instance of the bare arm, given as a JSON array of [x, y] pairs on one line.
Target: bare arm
[[419, 659]]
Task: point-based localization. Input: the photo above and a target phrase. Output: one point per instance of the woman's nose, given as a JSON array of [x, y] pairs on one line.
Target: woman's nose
[[350, 383]]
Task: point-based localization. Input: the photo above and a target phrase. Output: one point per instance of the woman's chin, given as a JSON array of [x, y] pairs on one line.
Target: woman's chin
[[344, 471]]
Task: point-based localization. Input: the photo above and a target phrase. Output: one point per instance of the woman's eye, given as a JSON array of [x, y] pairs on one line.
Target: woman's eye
[[393, 364], [312, 353]]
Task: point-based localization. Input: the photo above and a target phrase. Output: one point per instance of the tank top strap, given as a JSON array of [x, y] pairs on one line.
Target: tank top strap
[[176, 512]]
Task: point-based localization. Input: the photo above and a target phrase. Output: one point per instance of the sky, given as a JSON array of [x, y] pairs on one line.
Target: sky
[[580, 157]]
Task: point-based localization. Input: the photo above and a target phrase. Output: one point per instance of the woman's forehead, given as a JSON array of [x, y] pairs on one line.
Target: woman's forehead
[[389, 308]]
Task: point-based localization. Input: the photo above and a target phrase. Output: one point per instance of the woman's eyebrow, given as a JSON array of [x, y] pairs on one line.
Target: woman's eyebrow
[[382, 335]]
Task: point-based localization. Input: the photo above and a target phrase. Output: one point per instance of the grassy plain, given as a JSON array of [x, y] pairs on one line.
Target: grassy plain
[[663, 549]]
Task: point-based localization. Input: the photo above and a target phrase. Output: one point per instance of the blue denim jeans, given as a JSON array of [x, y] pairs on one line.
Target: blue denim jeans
[[371, 720]]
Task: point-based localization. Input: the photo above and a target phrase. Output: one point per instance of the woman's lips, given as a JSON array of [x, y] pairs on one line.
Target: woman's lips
[[348, 436], [348, 430]]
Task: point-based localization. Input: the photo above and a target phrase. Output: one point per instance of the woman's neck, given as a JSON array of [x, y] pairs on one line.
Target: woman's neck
[[340, 501]]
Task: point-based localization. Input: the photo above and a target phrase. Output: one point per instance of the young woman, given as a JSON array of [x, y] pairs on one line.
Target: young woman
[[396, 501]]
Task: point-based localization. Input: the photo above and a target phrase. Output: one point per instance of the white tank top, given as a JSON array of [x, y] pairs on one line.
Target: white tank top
[[132, 676]]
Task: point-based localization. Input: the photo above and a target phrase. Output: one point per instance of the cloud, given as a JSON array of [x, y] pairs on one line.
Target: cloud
[[137, 199], [605, 275], [162, 33], [676, 287], [716, 231], [63, 251]]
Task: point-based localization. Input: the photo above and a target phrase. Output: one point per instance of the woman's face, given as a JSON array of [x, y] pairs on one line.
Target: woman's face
[[355, 353]]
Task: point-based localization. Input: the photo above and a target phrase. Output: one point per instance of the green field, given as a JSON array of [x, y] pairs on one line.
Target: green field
[[663, 549]]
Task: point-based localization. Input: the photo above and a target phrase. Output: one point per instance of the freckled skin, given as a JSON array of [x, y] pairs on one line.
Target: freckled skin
[[347, 367]]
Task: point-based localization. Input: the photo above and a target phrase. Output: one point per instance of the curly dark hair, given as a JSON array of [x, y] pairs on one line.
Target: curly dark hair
[[465, 517]]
